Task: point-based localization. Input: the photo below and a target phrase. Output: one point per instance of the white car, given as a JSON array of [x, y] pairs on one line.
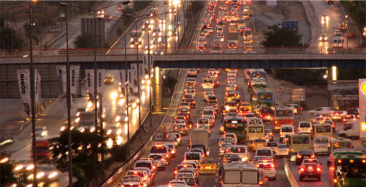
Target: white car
[[305, 127], [269, 169], [41, 131], [177, 183], [321, 110], [321, 145], [233, 137], [282, 150], [223, 140]]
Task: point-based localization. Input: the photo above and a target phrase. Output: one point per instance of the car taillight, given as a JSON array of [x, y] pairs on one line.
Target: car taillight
[[153, 167], [261, 182], [271, 134], [167, 155], [318, 169], [175, 171], [298, 156], [312, 156], [163, 159], [301, 169]]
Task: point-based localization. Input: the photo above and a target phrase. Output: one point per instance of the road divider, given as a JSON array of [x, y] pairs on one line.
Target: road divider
[[289, 174], [116, 175]]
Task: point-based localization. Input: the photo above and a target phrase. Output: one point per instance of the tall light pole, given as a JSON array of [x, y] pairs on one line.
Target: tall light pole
[[138, 79], [126, 95], [33, 94], [68, 93]]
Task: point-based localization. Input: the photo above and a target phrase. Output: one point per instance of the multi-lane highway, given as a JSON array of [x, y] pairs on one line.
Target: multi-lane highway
[[55, 116], [165, 21]]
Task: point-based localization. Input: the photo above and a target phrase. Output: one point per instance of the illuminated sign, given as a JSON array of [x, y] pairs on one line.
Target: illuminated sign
[[363, 126], [363, 87]]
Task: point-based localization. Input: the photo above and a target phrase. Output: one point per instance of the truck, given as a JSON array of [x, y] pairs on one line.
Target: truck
[[43, 151], [233, 39], [351, 130], [87, 121], [199, 139]]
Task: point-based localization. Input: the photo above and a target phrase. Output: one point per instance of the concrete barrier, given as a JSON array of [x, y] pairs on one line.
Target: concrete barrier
[[289, 174]]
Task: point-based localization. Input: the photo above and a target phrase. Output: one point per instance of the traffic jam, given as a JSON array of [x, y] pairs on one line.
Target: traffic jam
[[224, 133], [226, 18]]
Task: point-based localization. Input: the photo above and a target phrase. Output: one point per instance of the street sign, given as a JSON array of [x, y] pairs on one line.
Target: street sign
[[292, 25]]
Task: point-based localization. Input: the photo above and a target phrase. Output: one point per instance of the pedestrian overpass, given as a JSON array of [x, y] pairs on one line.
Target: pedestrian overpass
[[278, 60]]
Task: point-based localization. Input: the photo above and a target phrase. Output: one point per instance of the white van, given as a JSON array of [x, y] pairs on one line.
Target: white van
[[265, 151], [322, 145], [286, 129], [305, 127], [193, 156], [351, 130]]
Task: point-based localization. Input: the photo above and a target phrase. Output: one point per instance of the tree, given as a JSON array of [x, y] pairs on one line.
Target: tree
[[127, 16], [139, 5], [170, 82], [86, 148], [196, 6], [281, 37], [7, 176], [85, 40], [10, 40]]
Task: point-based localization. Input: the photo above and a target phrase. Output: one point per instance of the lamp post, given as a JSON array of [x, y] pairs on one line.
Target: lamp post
[[33, 94], [68, 94]]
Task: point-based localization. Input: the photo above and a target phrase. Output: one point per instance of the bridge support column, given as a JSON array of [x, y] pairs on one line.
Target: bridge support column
[[157, 90]]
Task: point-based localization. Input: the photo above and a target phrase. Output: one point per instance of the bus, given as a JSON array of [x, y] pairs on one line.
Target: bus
[[348, 169], [258, 73], [234, 124], [240, 173], [324, 129], [339, 145], [297, 142], [262, 96], [338, 42], [283, 115], [255, 131]]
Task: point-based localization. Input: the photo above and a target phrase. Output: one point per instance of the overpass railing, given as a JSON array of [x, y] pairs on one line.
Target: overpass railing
[[162, 51]]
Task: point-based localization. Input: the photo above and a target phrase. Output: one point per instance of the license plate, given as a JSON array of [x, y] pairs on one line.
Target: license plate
[[322, 147], [306, 156]]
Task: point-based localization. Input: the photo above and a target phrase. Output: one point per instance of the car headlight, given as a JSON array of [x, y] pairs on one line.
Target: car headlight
[[52, 175], [119, 131], [62, 128], [82, 129], [92, 129], [30, 167], [39, 175], [109, 132], [19, 167], [44, 133]]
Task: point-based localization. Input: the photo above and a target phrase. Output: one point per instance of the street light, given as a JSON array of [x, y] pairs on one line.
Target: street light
[[68, 94], [33, 94]]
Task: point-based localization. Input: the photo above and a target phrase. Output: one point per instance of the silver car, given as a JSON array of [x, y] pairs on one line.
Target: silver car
[[282, 150], [159, 160]]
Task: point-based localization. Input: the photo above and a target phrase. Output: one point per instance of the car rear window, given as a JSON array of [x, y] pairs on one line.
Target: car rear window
[[305, 125], [321, 140], [271, 144], [264, 153], [238, 149], [143, 164], [286, 129], [193, 156], [158, 149]]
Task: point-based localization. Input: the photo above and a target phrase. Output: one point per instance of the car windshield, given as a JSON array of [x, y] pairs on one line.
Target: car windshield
[[305, 152], [255, 130]]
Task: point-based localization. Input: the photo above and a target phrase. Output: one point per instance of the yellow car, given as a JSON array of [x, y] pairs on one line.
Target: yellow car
[[245, 105], [208, 166], [258, 143], [109, 79]]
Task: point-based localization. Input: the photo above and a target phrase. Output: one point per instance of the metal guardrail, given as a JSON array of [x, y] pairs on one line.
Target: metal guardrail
[[112, 179], [289, 174]]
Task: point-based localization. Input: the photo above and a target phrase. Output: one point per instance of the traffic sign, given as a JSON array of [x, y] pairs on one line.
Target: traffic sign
[[298, 94]]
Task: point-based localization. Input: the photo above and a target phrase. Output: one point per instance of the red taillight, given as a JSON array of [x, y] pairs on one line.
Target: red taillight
[[312, 156], [154, 167], [301, 169], [163, 159], [318, 169], [175, 172], [310, 167], [167, 155], [261, 182], [270, 134], [298, 156]]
